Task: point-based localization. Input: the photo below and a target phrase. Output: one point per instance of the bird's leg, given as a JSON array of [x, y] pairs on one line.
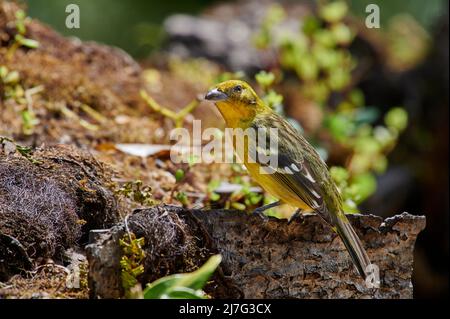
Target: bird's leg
[[260, 210], [297, 213]]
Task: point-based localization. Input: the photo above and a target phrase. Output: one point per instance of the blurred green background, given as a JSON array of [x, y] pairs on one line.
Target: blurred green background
[[134, 25], [129, 24]]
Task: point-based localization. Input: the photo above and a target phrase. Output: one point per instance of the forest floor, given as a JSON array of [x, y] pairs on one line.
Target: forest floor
[[75, 119]]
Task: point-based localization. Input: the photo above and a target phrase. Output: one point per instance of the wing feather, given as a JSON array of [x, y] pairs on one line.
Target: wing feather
[[301, 172]]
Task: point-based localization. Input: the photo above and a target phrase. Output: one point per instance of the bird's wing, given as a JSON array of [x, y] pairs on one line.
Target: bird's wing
[[297, 167]]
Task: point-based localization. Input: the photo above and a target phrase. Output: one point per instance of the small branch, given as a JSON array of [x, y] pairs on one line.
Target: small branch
[[93, 113], [72, 115], [176, 117]]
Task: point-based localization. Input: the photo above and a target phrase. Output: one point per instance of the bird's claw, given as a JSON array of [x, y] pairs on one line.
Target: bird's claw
[[260, 213], [260, 210], [297, 213]]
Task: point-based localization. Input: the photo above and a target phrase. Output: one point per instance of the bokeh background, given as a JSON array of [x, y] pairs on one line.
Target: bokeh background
[[412, 74]]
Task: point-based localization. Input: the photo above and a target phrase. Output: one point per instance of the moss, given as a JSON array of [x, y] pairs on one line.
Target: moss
[[41, 205]]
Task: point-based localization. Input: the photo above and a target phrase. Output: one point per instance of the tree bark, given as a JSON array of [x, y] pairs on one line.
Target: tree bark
[[262, 258]]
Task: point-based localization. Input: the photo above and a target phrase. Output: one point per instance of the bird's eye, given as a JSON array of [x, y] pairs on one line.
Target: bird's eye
[[237, 89]]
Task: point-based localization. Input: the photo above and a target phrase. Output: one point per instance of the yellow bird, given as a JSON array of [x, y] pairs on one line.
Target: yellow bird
[[300, 178]]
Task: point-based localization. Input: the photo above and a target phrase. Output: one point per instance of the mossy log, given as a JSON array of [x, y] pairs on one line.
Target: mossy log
[[261, 258]]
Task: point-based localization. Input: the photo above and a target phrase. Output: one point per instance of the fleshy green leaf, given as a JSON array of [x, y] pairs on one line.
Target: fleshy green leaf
[[396, 119], [161, 286], [179, 175], [339, 174], [265, 79], [29, 43], [364, 185], [334, 11], [164, 287], [214, 197], [12, 77], [184, 293], [310, 25]]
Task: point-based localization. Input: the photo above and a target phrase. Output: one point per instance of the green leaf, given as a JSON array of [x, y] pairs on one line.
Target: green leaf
[[334, 11], [339, 78], [360, 162], [3, 72], [12, 77], [163, 287], [255, 198], [265, 79], [20, 21], [342, 33], [275, 14], [179, 175], [396, 119], [380, 164], [367, 145], [273, 99], [198, 278], [184, 293], [384, 136], [29, 43], [29, 122], [193, 159], [357, 98], [340, 126], [307, 68], [21, 27], [238, 206], [181, 197], [350, 207], [363, 186], [339, 174], [214, 197], [213, 185], [20, 14], [310, 25], [317, 90], [23, 150], [326, 58]]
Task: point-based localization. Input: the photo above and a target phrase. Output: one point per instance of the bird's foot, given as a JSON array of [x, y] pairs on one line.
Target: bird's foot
[[297, 213], [260, 212]]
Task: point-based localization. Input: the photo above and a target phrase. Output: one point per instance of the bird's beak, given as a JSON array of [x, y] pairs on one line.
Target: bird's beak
[[216, 95]]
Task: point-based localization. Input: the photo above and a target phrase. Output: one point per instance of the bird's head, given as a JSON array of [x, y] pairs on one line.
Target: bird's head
[[233, 91], [236, 100]]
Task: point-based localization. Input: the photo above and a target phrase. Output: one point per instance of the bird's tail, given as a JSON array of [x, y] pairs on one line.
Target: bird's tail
[[353, 244]]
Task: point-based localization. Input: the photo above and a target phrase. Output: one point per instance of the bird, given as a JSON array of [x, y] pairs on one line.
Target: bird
[[299, 177]]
